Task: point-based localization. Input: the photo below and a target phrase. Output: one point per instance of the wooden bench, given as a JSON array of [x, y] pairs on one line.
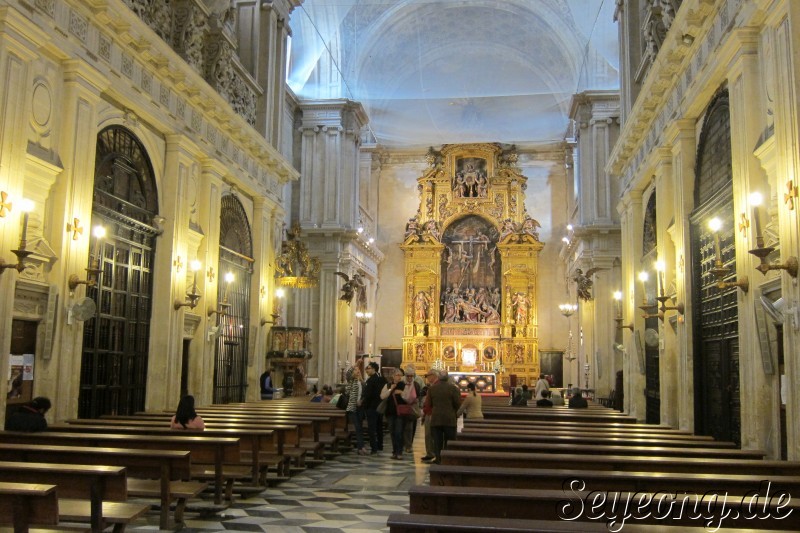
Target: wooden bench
[[572, 415], [620, 463], [161, 474], [87, 493], [218, 451], [25, 504], [558, 433], [564, 424], [647, 481], [479, 446], [581, 508], [414, 523], [598, 439]]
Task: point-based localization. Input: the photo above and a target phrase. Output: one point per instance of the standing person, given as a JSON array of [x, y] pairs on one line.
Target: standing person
[[444, 400], [577, 401], [355, 414], [472, 404], [371, 398], [29, 417], [394, 392], [185, 416], [432, 378], [266, 385], [541, 386], [413, 393]]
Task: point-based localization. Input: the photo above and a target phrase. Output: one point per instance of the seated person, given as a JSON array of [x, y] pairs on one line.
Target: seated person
[[556, 398], [545, 401], [527, 395], [266, 385], [29, 417], [577, 401], [185, 416], [518, 399], [316, 396]]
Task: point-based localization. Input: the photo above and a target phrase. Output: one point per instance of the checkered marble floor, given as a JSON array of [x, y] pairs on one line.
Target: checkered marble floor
[[350, 493]]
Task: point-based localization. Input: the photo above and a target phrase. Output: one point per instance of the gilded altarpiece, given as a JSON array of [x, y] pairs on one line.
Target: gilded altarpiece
[[471, 258]]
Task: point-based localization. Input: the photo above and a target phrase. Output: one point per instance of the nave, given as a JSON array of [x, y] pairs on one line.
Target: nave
[[350, 493]]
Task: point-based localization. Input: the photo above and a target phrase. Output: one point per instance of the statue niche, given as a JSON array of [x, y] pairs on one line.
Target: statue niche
[[470, 180], [470, 290]]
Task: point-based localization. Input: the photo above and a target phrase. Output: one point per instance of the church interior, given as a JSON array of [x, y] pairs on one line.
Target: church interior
[[600, 191]]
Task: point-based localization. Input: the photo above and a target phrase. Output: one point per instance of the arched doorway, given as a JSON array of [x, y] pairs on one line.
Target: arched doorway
[[116, 340], [235, 263], [652, 370], [716, 318]]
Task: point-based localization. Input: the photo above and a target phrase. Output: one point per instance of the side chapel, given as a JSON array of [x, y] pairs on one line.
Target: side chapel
[[471, 259]]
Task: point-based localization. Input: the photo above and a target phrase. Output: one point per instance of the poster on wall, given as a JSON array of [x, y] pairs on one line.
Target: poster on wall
[[15, 376]]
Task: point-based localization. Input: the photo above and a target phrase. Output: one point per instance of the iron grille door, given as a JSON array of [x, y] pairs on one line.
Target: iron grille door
[[716, 330], [116, 340], [230, 365]]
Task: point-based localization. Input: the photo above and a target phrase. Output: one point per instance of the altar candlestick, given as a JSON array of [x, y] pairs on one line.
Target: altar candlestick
[[643, 277], [99, 233], [26, 206], [660, 267]]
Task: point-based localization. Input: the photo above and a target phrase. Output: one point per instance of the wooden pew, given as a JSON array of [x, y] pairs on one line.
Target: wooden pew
[[648, 481], [204, 449], [598, 439], [161, 474], [555, 434], [25, 504], [581, 509], [479, 446], [564, 424], [414, 523], [545, 426], [573, 415], [261, 447], [92, 493], [620, 463]]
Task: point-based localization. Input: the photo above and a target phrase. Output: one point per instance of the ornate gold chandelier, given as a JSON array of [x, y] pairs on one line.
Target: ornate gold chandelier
[[294, 267]]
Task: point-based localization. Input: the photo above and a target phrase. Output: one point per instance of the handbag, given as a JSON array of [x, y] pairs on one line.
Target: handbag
[[403, 409], [382, 406]]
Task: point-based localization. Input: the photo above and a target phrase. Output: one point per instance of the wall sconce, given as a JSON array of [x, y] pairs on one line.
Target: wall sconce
[[662, 298], [26, 206], [720, 270], [276, 315], [618, 312], [761, 251], [93, 272], [191, 297], [363, 317], [648, 308], [223, 306]]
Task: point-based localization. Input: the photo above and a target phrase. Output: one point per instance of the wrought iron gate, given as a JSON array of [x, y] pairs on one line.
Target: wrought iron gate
[[116, 340], [235, 257]]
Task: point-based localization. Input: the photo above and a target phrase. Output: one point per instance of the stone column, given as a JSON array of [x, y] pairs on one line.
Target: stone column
[[211, 188], [759, 412], [681, 137], [164, 372], [78, 130], [668, 357], [785, 178]]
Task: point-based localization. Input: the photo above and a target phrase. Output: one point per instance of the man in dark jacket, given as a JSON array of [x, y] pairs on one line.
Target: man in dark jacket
[[444, 399], [29, 417], [265, 381], [370, 399], [577, 401]]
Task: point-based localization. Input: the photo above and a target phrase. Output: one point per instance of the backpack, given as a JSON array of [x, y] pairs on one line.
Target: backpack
[[343, 400]]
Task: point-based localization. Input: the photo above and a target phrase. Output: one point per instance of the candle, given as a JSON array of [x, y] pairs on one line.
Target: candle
[[714, 225], [660, 277], [618, 304], [756, 200], [26, 206], [643, 277], [99, 233]]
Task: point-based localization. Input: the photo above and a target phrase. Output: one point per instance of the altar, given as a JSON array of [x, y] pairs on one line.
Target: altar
[[471, 259], [485, 382]]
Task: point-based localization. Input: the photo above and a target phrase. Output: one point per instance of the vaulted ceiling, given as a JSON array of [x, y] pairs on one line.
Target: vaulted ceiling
[[431, 72]]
